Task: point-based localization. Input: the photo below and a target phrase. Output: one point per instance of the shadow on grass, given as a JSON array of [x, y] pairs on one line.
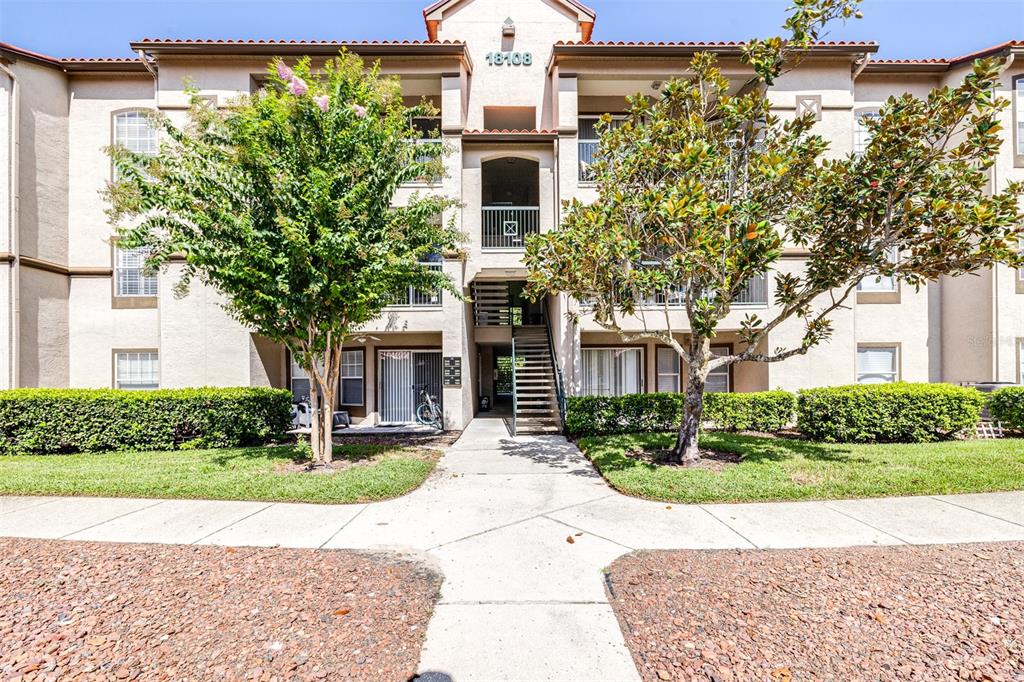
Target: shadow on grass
[[353, 454], [759, 448], [611, 455]]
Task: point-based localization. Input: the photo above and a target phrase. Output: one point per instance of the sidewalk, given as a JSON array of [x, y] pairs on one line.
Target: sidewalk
[[519, 600]]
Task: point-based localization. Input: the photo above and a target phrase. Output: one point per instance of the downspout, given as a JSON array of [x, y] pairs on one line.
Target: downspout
[[995, 268], [865, 58], [14, 307], [149, 67]]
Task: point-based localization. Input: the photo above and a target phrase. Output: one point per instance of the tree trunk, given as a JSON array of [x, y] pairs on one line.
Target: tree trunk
[[327, 424], [316, 441], [686, 450]]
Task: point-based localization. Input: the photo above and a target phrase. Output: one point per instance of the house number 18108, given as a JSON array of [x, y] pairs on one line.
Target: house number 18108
[[510, 58]]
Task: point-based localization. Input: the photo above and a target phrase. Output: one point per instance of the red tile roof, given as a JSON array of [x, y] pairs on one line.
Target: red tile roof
[[934, 60], [698, 43], [506, 131], [510, 135], [79, 63], [938, 65], [575, 3], [260, 41]]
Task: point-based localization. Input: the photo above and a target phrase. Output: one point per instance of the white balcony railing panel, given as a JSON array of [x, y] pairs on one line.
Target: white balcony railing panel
[[506, 227]]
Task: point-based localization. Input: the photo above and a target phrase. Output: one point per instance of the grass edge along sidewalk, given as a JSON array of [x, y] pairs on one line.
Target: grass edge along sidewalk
[[776, 469], [365, 473]]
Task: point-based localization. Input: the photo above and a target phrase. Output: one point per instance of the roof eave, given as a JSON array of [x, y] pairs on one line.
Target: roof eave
[[217, 48], [85, 66], [7, 50]]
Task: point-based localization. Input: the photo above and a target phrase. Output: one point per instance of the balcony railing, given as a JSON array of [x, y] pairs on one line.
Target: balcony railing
[[506, 227], [420, 299], [756, 292], [588, 150]]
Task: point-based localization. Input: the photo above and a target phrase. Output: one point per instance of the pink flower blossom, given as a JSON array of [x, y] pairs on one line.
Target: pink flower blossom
[[359, 110], [283, 72], [298, 87], [322, 101]]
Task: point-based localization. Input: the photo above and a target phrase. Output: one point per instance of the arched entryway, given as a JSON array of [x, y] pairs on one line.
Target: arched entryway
[[510, 201]]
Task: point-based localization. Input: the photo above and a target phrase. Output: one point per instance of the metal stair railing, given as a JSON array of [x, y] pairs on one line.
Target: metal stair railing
[[559, 390], [515, 385]]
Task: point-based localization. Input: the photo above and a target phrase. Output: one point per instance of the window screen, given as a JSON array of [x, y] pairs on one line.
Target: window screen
[[876, 365], [130, 278], [612, 371], [136, 370], [668, 370]]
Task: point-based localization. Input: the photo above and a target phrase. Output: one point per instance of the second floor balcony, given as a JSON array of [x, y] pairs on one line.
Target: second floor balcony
[[510, 202]]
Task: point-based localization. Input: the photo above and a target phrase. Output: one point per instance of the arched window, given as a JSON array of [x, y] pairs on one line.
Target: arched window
[[133, 131]]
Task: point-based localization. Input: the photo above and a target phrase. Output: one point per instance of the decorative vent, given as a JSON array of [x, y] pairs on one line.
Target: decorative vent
[[809, 104]]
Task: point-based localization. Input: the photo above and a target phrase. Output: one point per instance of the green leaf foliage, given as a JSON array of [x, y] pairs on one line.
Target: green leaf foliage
[[1007, 407], [700, 190], [887, 413], [766, 411], [57, 421], [284, 201]]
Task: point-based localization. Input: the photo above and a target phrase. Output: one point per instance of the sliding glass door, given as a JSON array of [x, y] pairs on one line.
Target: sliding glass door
[[402, 375]]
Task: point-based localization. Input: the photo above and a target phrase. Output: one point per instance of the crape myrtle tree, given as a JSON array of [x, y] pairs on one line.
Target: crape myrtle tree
[[700, 190], [283, 202]]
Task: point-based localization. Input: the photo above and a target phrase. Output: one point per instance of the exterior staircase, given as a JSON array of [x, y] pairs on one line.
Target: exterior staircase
[[535, 382]]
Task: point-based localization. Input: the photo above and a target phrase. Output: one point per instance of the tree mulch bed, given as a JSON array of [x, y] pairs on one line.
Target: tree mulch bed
[[952, 612], [342, 463], [711, 460], [416, 440], [74, 610]]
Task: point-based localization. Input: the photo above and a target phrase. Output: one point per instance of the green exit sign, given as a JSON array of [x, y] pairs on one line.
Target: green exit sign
[[510, 58]]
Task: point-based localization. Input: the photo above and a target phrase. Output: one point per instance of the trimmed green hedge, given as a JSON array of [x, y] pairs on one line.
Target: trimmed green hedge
[[47, 421], [640, 412], [1007, 406], [888, 413]]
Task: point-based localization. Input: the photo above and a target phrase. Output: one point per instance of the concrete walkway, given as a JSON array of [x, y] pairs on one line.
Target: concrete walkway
[[519, 601]]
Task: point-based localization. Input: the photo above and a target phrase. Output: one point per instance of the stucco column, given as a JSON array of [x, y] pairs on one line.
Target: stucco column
[[456, 343], [567, 102]]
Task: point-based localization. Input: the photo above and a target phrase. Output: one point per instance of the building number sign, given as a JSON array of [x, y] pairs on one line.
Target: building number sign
[[510, 58]]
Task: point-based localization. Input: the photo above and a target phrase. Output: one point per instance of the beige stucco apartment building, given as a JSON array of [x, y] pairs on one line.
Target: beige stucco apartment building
[[519, 85]]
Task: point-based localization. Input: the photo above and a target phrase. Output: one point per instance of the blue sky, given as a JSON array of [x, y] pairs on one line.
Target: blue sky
[[86, 28]]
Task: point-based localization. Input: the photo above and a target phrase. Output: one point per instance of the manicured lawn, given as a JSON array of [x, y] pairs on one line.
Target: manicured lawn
[[369, 472], [784, 469]]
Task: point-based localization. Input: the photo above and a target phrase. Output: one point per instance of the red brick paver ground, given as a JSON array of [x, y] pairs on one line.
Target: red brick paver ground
[[149, 612], [952, 612]]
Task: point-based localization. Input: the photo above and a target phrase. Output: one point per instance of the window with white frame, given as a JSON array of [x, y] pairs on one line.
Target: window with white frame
[[861, 133], [880, 283], [299, 382], [428, 131], [588, 137], [1018, 119], [718, 378], [877, 364], [350, 385], [667, 365], [667, 362], [130, 276], [137, 370], [133, 131], [1020, 361], [612, 371], [352, 377]]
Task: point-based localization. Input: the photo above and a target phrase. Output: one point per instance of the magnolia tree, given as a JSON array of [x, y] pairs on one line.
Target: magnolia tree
[[700, 190], [283, 201]]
